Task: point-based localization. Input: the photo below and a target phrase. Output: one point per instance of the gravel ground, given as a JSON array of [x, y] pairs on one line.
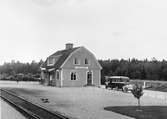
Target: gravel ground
[[81, 103]]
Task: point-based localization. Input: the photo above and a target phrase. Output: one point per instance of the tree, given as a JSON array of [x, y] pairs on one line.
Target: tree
[[137, 93]]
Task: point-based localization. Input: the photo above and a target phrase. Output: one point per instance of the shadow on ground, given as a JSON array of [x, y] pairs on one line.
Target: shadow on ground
[[145, 112]]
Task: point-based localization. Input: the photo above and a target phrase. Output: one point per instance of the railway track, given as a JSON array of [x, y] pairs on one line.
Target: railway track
[[29, 110]]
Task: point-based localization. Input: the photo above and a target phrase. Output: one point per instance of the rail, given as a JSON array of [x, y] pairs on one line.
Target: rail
[[30, 110]]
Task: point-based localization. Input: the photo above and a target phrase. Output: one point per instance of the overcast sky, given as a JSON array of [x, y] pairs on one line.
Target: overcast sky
[[34, 29]]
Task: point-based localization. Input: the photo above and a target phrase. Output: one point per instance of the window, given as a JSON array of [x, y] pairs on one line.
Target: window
[[50, 61], [76, 61], [73, 76], [57, 75], [86, 61]]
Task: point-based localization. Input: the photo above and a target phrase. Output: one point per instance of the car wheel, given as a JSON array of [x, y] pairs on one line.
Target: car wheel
[[125, 89]]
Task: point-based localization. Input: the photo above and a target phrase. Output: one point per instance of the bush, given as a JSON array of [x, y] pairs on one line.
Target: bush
[[137, 92]]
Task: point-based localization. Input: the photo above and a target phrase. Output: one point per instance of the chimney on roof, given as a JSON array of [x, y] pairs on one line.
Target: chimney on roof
[[69, 46]]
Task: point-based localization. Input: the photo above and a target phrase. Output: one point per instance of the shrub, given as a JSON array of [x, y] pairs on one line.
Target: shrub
[[137, 92]]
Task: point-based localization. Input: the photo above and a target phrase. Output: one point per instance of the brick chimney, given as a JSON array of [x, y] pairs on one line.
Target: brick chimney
[[69, 46]]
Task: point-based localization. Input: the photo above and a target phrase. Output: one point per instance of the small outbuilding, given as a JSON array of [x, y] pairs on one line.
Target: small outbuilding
[[71, 67]]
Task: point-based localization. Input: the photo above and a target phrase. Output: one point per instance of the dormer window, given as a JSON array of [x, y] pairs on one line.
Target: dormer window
[[50, 61], [76, 61], [86, 61]]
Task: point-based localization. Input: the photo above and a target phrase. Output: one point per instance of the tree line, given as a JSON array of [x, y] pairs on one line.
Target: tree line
[[27, 70], [135, 69]]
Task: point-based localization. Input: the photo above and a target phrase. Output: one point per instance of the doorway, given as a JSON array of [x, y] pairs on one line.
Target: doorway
[[89, 78]]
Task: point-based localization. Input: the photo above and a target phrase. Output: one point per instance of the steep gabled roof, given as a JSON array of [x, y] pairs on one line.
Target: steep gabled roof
[[60, 58]]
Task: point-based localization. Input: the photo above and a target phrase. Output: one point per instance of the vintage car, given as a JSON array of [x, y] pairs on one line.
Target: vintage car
[[128, 87], [118, 83]]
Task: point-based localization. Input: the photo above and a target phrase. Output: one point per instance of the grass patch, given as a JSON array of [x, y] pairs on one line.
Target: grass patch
[[148, 112], [160, 87], [152, 85]]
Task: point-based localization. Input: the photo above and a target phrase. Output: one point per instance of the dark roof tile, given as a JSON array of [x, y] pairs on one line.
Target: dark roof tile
[[60, 56]]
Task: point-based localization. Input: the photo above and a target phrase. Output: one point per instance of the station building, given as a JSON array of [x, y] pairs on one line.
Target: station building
[[71, 67]]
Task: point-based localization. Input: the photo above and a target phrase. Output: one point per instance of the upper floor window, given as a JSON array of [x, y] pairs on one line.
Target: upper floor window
[[76, 61], [50, 61], [73, 76], [86, 61]]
